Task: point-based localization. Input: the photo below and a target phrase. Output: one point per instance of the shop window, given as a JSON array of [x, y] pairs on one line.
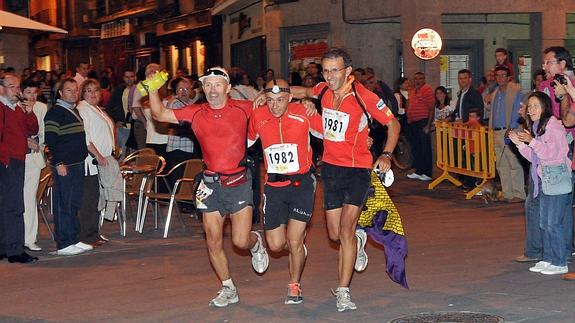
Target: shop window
[[43, 63]]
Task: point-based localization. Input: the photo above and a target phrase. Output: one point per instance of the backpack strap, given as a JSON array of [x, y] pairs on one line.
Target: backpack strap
[[369, 122]]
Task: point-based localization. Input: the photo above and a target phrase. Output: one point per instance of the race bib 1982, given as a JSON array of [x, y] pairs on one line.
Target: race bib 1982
[[335, 125], [282, 158]]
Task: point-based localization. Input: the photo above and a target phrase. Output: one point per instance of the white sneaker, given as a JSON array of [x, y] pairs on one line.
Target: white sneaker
[[33, 247], [344, 302], [361, 258], [540, 266], [226, 296], [260, 258], [84, 246], [555, 270], [70, 250], [424, 178], [414, 176]]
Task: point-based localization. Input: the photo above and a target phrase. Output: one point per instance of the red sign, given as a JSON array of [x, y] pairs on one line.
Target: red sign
[[309, 50]]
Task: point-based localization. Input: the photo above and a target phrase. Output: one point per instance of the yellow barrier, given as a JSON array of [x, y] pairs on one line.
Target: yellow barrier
[[456, 145]]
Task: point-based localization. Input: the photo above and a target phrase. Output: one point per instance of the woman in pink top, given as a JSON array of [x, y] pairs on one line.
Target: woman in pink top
[[544, 144]]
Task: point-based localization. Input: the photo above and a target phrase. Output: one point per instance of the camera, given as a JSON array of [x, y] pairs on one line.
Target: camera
[[560, 78]]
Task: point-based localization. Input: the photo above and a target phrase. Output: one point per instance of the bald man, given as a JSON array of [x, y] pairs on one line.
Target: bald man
[[284, 128]]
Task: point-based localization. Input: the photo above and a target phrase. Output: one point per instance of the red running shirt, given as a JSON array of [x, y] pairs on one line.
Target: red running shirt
[[345, 128], [285, 140], [221, 133]]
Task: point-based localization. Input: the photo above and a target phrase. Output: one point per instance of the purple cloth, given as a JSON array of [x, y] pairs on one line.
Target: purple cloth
[[395, 247], [533, 168]]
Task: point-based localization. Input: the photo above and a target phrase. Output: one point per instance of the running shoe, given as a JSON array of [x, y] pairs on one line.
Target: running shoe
[[226, 296], [294, 294], [361, 259], [260, 258], [540, 266], [555, 270], [344, 302]]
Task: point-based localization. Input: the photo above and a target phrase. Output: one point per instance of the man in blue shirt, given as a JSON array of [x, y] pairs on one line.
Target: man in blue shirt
[[503, 118]]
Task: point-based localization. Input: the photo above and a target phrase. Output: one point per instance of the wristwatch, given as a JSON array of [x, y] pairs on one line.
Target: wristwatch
[[387, 154]]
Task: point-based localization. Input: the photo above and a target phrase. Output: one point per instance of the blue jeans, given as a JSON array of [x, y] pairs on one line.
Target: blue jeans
[[68, 193], [554, 211], [534, 235]]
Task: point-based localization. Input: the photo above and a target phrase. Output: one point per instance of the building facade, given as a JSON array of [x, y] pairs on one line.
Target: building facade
[[286, 35], [378, 33]]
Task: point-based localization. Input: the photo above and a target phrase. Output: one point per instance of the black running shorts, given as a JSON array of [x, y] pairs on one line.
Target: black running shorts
[[289, 202], [344, 185]]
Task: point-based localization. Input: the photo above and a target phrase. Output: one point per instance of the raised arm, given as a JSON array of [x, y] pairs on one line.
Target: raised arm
[[159, 111]]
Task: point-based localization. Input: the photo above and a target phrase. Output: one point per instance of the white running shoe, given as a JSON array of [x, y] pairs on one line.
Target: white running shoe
[[84, 246], [414, 176], [226, 296], [555, 270], [260, 258], [424, 178], [361, 258], [70, 250], [540, 266], [344, 302]]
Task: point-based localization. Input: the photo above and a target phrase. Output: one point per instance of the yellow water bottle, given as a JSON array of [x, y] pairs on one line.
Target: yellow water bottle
[[156, 82]]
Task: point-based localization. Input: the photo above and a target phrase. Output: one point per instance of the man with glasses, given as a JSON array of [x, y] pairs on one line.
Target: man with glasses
[[17, 123], [504, 118], [347, 161], [221, 126]]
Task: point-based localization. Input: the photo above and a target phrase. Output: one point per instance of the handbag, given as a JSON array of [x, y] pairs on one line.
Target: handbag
[[556, 180]]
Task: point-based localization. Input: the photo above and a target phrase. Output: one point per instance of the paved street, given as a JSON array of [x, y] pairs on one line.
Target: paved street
[[460, 259]]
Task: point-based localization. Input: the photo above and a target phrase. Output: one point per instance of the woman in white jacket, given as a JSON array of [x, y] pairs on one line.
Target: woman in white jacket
[[100, 139]]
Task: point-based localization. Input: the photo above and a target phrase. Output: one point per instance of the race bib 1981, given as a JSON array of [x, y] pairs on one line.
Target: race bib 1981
[[335, 125], [282, 158]]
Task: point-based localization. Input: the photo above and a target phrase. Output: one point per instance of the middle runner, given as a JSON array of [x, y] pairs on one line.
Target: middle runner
[[284, 129]]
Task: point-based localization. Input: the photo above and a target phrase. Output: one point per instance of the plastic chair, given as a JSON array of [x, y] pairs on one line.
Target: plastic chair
[[182, 191], [139, 173], [43, 185]]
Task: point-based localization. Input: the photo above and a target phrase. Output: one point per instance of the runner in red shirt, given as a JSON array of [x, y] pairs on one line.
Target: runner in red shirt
[[347, 160], [221, 127], [289, 191]]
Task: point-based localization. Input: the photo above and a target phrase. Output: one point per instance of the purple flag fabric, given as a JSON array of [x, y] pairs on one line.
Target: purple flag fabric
[[395, 248], [380, 219]]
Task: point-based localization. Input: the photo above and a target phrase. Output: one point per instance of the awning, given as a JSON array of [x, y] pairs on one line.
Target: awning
[[8, 19], [224, 7]]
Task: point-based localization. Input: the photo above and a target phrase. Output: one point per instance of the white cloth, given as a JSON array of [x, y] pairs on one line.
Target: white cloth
[[156, 132], [99, 130], [79, 79], [111, 187]]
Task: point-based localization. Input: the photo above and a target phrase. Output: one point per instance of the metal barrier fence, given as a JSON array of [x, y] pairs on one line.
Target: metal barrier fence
[[464, 150]]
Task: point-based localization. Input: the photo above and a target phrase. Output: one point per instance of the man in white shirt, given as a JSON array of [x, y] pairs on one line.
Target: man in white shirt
[[82, 70]]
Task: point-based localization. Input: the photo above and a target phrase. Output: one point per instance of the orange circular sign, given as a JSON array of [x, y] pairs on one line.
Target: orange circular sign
[[426, 43]]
